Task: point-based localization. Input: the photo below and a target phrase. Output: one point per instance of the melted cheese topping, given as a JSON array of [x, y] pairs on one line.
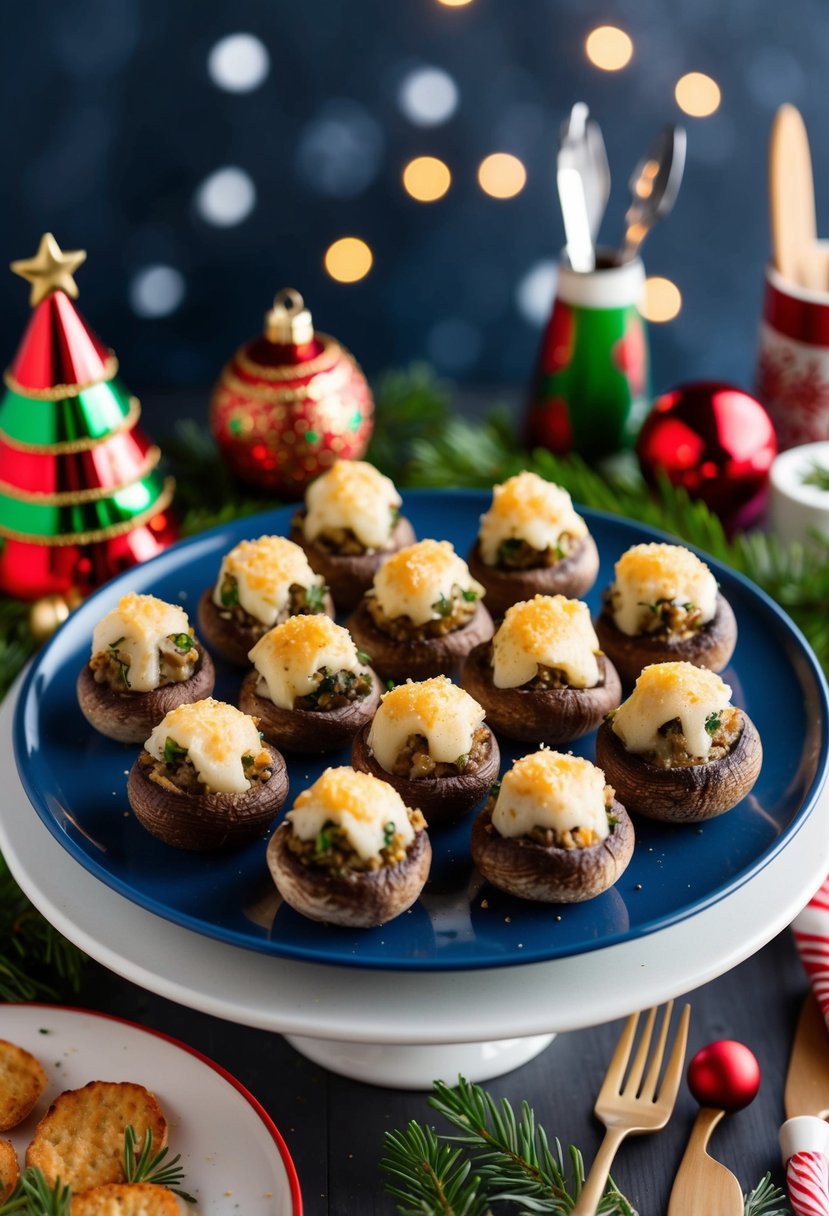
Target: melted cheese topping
[[665, 691], [528, 508], [139, 625], [547, 631], [215, 736], [265, 569], [413, 580], [439, 710], [651, 572], [289, 655], [355, 495], [551, 790], [360, 804]]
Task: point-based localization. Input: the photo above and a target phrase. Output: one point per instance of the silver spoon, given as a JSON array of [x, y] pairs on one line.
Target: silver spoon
[[654, 185], [572, 172]]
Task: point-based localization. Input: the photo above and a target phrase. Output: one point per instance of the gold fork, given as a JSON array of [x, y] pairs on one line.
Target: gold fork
[[628, 1105]]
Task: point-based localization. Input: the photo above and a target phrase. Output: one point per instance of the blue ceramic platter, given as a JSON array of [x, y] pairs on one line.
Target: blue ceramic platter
[[76, 781]]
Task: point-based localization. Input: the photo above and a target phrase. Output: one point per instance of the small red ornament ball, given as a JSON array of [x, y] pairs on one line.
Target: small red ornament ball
[[724, 1075], [717, 442]]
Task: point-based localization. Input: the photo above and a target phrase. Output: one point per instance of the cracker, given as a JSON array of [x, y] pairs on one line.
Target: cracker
[[9, 1169], [22, 1081], [126, 1199], [80, 1139]]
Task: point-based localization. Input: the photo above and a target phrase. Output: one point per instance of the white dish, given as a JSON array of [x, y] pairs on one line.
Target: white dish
[[233, 1157], [338, 1009]]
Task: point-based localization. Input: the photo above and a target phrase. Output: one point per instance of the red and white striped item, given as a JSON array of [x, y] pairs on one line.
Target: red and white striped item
[[810, 929]]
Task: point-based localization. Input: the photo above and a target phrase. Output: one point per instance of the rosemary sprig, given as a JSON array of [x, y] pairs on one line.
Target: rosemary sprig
[[147, 1166], [34, 1197], [766, 1199]]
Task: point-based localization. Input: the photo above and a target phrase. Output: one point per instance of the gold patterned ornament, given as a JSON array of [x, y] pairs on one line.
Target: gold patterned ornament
[[289, 403]]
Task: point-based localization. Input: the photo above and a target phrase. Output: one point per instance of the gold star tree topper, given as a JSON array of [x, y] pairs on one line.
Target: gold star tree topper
[[50, 269]]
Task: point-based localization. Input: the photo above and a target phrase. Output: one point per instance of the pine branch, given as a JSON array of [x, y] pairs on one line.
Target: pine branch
[[429, 1177], [36, 962], [16, 641], [410, 405], [766, 1200]]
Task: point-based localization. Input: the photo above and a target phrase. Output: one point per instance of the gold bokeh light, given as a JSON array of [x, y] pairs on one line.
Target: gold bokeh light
[[609, 48], [426, 178], [697, 94], [662, 301], [454, 3], [348, 260], [502, 175]]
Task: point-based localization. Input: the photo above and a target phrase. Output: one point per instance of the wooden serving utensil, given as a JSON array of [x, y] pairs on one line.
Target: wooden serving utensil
[[723, 1077], [792, 202]]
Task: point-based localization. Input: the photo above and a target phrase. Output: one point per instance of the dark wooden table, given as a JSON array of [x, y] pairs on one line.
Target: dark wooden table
[[334, 1127]]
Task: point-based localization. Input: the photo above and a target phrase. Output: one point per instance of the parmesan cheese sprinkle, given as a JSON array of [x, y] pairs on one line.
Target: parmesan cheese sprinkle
[[547, 631], [215, 736], [528, 508], [136, 628], [352, 494], [648, 573], [549, 789], [358, 803], [289, 655], [414, 580], [665, 691], [439, 710], [265, 570]]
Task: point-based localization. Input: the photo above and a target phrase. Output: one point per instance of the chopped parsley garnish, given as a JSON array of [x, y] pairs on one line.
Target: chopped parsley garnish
[[315, 596], [181, 641], [817, 475], [712, 723], [388, 834], [122, 664], [390, 684], [172, 752], [495, 789], [364, 657], [442, 606], [247, 761], [229, 591], [507, 548], [462, 761], [324, 840], [469, 595]]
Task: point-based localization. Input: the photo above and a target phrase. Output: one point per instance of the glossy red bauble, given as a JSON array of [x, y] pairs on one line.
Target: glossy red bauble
[[717, 442], [724, 1075]]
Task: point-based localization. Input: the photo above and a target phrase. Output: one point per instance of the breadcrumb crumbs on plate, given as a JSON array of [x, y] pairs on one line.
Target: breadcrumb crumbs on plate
[[484, 903], [507, 920]]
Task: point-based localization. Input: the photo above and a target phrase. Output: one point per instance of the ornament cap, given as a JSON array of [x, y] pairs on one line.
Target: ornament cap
[[289, 321]]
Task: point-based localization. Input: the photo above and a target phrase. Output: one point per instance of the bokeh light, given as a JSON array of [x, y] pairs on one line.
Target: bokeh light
[[156, 291], [609, 48], [662, 300], [697, 94], [535, 290], [454, 3], [428, 96], [238, 63], [426, 178], [348, 260], [502, 175], [340, 150], [226, 197]]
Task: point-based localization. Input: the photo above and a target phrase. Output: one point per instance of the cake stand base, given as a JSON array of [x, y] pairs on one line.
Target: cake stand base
[[417, 1067]]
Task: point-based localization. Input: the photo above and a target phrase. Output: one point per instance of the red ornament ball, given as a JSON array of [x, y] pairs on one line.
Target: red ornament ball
[[724, 1075], [717, 442]]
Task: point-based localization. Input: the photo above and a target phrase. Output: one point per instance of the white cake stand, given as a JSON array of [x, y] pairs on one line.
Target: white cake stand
[[397, 1028]]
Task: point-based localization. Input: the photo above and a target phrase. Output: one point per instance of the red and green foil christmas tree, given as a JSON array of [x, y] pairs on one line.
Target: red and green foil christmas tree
[[81, 497]]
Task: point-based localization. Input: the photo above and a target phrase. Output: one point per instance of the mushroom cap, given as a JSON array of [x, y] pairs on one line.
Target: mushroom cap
[[547, 873], [711, 646], [535, 715], [418, 659], [308, 730], [572, 576], [442, 800], [686, 793], [130, 717], [209, 821], [231, 639], [360, 899], [348, 576]]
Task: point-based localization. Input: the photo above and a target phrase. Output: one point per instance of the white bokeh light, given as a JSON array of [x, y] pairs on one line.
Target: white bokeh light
[[535, 291], [226, 197], [239, 63], [428, 96], [340, 149], [156, 291]]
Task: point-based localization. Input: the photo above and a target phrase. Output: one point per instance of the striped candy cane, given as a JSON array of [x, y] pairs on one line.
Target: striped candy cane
[[804, 1146], [810, 930]]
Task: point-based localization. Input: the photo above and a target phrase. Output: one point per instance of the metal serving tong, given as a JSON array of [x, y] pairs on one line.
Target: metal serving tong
[[583, 181]]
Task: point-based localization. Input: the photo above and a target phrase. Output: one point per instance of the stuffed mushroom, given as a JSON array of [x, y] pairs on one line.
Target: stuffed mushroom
[[350, 852], [261, 583], [311, 688], [430, 742], [543, 678], [351, 523], [145, 661], [532, 542], [665, 606], [422, 614], [677, 750], [205, 781], [553, 831]]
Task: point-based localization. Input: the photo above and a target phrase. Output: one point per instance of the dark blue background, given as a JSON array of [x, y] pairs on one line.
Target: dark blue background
[[112, 121]]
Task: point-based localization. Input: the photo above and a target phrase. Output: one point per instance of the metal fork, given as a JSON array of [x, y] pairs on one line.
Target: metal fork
[[628, 1105]]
